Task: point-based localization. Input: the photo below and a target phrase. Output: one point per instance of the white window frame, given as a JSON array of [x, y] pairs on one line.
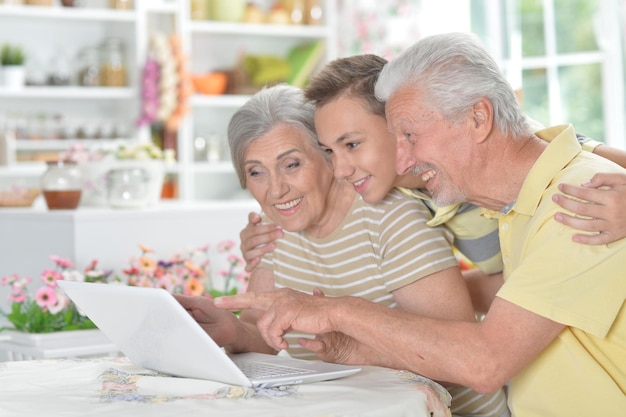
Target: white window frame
[[610, 56]]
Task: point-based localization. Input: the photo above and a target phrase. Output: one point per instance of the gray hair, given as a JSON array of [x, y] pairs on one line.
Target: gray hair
[[268, 108], [455, 71]]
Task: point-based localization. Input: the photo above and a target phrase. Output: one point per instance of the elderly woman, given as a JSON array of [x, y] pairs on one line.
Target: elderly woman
[[335, 243]]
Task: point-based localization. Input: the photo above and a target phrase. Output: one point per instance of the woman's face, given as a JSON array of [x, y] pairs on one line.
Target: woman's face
[[288, 177], [362, 150]]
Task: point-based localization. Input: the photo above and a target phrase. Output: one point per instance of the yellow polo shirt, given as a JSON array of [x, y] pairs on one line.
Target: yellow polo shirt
[[583, 371]]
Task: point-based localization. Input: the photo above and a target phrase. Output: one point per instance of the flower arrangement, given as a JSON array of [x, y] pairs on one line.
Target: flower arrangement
[[49, 310], [192, 272]]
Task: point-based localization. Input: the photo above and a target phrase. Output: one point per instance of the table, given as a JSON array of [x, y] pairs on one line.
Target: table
[[109, 386]]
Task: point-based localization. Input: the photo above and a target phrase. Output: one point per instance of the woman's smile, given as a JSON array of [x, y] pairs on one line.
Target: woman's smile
[[288, 206]]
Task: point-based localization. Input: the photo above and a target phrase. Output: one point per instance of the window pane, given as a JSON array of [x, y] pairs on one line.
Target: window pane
[[581, 95], [531, 21], [535, 99], [574, 25]]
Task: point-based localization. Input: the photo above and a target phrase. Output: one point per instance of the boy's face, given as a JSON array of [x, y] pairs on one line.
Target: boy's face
[[363, 151]]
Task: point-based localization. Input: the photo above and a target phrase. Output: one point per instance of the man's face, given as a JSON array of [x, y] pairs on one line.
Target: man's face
[[428, 145]]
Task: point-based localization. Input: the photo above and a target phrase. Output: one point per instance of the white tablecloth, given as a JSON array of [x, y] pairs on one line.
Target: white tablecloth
[[116, 387]]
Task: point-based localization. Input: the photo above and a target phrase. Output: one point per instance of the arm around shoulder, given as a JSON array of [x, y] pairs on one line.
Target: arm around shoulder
[[601, 210]]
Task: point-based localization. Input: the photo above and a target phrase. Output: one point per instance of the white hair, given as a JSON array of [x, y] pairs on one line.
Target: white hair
[[454, 71]]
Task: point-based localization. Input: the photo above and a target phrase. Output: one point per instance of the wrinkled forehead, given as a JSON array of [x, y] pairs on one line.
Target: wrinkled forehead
[[410, 105], [282, 141]]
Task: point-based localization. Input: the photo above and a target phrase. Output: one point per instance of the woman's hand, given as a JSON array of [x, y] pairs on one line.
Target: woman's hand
[[221, 325], [257, 239], [602, 209]]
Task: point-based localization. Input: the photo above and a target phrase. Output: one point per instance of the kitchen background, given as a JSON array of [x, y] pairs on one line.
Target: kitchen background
[[163, 77]]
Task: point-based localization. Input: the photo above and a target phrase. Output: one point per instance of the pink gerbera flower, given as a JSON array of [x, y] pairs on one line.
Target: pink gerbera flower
[[225, 246], [46, 297], [61, 262], [50, 277], [235, 260], [10, 279], [170, 282], [18, 295]]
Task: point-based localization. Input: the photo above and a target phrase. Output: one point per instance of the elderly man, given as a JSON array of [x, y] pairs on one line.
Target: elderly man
[[556, 330]]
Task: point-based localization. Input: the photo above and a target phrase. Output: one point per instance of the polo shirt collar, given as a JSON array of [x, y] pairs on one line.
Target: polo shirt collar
[[563, 147]]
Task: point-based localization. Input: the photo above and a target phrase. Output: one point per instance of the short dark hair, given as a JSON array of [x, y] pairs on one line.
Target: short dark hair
[[355, 76]]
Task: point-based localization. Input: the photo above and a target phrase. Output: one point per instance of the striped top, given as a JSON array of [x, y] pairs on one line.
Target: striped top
[[475, 236], [374, 251]]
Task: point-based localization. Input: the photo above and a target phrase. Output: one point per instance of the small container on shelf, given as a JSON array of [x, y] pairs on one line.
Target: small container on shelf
[[121, 4], [112, 63], [38, 2], [88, 67], [199, 9], [62, 185], [128, 188], [59, 69], [314, 13]]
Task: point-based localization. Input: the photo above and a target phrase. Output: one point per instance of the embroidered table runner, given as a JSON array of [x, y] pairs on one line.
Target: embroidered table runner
[[114, 386]]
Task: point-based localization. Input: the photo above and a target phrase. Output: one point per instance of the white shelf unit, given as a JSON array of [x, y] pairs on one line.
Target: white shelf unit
[[209, 45], [61, 32], [213, 46]]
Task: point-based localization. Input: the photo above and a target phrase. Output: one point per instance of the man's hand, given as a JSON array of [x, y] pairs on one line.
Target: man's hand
[[602, 209], [338, 348], [284, 310], [257, 239]]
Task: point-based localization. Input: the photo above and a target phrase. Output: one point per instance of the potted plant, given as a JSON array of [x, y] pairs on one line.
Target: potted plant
[[47, 319], [12, 59]]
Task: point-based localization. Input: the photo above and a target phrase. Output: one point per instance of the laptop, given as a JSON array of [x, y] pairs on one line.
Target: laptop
[[155, 332]]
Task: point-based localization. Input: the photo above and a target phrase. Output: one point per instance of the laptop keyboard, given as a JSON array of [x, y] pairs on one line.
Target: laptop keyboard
[[266, 370]]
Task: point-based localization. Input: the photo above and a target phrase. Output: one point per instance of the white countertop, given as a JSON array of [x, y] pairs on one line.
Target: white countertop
[[165, 207]]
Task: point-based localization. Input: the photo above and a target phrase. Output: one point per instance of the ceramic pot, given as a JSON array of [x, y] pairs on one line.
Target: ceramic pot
[[95, 175], [13, 76]]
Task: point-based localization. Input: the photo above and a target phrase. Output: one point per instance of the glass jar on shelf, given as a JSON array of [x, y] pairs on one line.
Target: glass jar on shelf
[[121, 4], [199, 9], [314, 12], [112, 63], [88, 67], [62, 185], [59, 69], [128, 187]]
